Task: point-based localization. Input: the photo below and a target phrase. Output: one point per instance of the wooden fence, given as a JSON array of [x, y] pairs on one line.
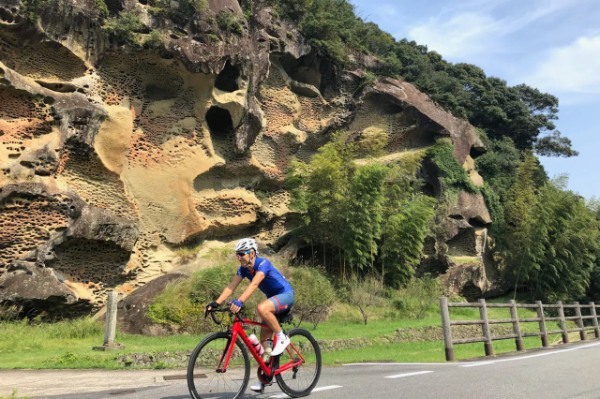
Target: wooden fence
[[516, 322]]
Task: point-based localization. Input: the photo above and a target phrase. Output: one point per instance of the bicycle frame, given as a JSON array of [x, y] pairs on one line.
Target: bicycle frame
[[237, 330]]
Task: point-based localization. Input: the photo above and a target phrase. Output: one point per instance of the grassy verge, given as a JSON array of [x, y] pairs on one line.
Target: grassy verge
[[344, 338]]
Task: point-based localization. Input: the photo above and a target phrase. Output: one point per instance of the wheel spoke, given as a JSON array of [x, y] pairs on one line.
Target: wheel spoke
[[299, 379], [210, 377]]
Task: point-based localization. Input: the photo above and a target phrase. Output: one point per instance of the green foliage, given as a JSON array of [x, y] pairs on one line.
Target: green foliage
[[330, 25], [206, 284], [123, 27], [345, 205], [102, 8], [364, 215], [174, 306], [75, 329], [319, 190], [403, 238], [420, 297], [153, 40], [499, 163], [13, 395], [569, 244], [372, 142], [293, 9], [33, 8], [453, 174], [517, 232], [521, 113], [227, 21], [550, 240], [10, 312], [314, 295], [181, 12], [365, 294]]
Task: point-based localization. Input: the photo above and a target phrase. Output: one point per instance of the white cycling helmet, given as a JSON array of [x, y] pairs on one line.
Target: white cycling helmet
[[246, 244]]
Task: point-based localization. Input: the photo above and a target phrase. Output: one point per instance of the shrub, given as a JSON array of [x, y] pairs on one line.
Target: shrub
[[228, 22], [10, 312], [314, 295], [122, 28], [452, 173], [365, 294], [175, 309], [419, 297]]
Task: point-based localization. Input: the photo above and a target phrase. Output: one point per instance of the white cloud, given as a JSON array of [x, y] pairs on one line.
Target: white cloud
[[458, 37], [483, 28], [571, 69]]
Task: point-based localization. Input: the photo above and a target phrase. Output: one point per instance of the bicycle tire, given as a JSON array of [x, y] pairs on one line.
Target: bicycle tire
[[300, 381], [204, 379]]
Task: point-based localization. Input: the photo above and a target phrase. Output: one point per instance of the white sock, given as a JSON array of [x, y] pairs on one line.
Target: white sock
[[280, 335]]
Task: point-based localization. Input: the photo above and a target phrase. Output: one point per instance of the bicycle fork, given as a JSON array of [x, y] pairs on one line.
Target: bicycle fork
[[226, 356]]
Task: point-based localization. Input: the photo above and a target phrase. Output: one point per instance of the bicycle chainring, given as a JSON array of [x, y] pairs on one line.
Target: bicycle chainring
[[264, 378]]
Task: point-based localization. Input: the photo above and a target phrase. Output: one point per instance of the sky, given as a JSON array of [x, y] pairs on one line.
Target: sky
[[551, 45]]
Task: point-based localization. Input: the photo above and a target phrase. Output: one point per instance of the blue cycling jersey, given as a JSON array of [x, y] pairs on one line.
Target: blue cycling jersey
[[274, 282]]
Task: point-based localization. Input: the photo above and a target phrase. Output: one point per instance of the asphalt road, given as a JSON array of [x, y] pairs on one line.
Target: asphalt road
[[568, 372]]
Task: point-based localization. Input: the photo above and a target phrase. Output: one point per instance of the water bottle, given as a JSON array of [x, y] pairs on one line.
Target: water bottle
[[256, 344], [268, 349]]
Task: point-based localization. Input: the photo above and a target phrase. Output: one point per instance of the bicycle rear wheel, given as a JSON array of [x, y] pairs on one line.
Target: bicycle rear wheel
[[207, 376], [302, 377]]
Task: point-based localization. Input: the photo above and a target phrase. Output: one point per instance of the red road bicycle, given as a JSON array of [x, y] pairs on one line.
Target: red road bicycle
[[219, 366]]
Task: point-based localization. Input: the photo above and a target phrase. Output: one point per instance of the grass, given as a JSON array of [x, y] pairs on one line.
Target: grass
[[388, 337], [13, 395]]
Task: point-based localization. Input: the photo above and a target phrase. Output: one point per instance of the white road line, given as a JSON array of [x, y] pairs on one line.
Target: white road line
[[512, 359], [328, 387], [398, 364], [409, 374]]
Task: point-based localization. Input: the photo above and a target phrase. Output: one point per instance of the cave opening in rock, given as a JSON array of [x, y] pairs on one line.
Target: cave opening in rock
[[114, 6], [219, 122], [463, 244], [303, 69], [227, 80]]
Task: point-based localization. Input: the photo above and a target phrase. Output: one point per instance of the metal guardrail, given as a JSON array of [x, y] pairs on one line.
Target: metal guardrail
[[517, 334]]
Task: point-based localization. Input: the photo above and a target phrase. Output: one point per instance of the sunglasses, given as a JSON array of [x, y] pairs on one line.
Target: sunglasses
[[242, 253]]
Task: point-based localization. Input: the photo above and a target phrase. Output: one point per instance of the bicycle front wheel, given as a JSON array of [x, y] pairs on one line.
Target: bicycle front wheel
[[217, 371], [303, 360]]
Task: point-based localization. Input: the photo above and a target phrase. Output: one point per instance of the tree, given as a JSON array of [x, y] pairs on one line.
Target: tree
[[569, 234], [319, 191], [403, 238], [364, 215], [517, 234]]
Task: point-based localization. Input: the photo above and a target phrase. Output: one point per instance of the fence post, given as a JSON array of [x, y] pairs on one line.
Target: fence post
[[542, 323], [594, 319], [580, 321], [446, 329], [563, 324], [487, 345], [514, 315]]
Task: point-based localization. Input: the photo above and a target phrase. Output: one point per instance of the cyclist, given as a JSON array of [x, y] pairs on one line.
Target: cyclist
[[263, 275]]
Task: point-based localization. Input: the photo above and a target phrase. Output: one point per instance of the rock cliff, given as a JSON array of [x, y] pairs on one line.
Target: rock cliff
[[117, 150]]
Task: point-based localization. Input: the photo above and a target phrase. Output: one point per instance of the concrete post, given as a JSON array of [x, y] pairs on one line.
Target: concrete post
[[110, 326]]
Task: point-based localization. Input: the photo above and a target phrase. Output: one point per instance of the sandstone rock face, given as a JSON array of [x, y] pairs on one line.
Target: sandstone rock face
[[113, 156]]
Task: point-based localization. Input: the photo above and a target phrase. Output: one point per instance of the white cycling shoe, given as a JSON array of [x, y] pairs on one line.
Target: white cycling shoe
[[280, 346], [258, 387]]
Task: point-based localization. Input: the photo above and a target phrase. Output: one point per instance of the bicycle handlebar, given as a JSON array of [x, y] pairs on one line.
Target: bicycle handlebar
[[212, 312]]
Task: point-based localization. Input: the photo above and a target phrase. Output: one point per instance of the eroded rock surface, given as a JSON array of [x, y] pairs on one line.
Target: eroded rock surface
[[114, 156]]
